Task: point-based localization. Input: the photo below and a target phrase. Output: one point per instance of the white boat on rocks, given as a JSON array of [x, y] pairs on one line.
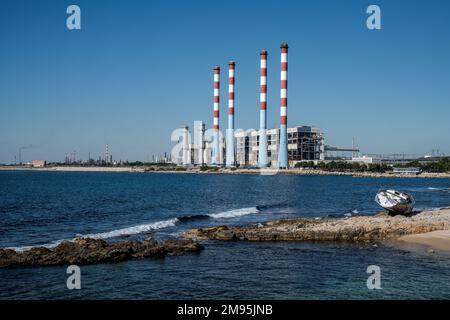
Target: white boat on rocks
[[395, 201]]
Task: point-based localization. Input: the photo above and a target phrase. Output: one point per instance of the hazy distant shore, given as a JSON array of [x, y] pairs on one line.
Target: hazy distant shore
[[196, 170], [74, 169]]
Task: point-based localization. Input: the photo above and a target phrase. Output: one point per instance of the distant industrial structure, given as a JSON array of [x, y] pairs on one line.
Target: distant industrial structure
[[279, 147], [262, 143], [215, 151], [38, 163], [230, 156], [304, 143], [282, 136]]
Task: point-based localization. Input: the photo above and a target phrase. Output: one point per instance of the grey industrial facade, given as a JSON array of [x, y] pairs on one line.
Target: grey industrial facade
[[305, 143]]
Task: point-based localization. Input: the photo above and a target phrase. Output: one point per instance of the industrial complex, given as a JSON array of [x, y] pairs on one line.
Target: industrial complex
[[278, 147]]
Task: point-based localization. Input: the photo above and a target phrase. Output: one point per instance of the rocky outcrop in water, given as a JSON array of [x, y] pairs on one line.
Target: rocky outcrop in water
[[361, 228], [90, 251]]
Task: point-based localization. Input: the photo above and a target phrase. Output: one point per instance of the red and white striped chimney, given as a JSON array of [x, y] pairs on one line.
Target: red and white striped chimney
[[262, 151], [283, 150], [215, 148], [230, 161]]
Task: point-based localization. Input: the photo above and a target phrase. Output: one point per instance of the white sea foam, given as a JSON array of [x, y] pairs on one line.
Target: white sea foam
[[109, 234], [425, 189], [50, 245], [132, 230], [234, 213], [141, 228], [438, 189]]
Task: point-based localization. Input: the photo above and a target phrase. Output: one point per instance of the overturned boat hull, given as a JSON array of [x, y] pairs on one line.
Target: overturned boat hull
[[395, 201]]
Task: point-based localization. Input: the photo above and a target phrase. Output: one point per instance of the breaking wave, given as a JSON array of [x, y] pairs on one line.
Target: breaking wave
[[47, 245], [133, 230], [234, 213], [222, 215], [143, 228], [110, 234]]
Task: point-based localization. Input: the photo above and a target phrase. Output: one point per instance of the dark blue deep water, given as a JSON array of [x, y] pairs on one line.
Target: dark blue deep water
[[43, 208]]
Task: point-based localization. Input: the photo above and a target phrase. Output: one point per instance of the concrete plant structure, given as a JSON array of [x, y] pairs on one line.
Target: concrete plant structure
[[282, 147], [305, 143]]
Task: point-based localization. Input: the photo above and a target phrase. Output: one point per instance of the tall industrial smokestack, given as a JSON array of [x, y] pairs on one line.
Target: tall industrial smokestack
[[215, 148], [186, 151], [283, 149], [201, 142], [230, 161], [262, 153]]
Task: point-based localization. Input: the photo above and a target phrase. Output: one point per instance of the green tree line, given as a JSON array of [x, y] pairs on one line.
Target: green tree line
[[443, 165], [343, 166]]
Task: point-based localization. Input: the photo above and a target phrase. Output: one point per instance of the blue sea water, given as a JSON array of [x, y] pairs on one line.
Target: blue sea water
[[43, 208]]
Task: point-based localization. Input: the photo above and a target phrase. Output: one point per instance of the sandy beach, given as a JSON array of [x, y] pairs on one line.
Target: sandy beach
[[439, 240]]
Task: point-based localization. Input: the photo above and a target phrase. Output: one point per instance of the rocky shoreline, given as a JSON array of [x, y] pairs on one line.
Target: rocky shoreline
[[196, 170], [360, 228], [375, 228], [90, 251]]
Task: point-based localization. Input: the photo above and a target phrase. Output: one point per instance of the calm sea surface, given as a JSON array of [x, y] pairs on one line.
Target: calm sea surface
[[44, 208]]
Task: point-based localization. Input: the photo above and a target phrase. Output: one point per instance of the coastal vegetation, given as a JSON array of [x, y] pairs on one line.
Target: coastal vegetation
[[440, 166], [210, 169], [429, 168], [342, 166], [443, 165]]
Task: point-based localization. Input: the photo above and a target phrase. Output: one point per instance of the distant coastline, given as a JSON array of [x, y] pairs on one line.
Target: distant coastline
[[197, 170]]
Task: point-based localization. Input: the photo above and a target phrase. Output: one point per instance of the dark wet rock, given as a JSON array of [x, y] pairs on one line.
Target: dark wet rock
[[90, 251]]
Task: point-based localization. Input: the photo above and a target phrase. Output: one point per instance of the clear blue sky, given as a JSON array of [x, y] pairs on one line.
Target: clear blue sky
[[139, 69]]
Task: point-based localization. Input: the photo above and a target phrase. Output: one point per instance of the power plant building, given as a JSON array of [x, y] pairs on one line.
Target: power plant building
[[281, 147], [305, 143]]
